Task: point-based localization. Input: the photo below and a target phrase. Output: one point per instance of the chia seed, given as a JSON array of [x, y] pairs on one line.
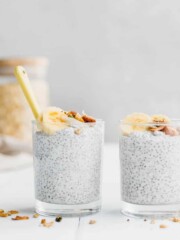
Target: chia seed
[[150, 168]]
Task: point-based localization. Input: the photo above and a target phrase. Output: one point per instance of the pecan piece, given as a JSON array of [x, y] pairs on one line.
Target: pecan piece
[[87, 118]]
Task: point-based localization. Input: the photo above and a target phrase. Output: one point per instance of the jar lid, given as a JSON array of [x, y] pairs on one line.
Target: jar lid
[[35, 66], [26, 61]]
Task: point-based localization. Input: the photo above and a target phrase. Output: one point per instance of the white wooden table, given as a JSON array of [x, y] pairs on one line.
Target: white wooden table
[[16, 192]]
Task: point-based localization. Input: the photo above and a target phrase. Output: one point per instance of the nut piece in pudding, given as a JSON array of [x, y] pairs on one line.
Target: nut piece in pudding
[[135, 122], [87, 118], [170, 131]]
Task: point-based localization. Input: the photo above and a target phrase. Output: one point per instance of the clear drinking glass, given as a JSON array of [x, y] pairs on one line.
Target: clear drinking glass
[[150, 169], [67, 170]]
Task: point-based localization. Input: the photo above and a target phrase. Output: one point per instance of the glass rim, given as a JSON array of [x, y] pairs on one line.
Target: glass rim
[[173, 122], [79, 122]]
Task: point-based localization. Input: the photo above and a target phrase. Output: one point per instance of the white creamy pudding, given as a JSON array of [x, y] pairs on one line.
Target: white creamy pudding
[[68, 165], [150, 168]]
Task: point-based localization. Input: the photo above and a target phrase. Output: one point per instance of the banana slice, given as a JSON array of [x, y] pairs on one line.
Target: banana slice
[[53, 119], [135, 122], [157, 121], [160, 119]]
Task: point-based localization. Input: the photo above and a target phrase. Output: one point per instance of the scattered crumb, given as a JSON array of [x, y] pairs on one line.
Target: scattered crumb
[[43, 221], [163, 226], [92, 221], [36, 215], [175, 219], [46, 224], [58, 219], [153, 221], [128, 220], [21, 218], [145, 220], [3, 214], [11, 212]]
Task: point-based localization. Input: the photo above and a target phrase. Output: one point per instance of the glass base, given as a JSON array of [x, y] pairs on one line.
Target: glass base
[[49, 209], [150, 211]]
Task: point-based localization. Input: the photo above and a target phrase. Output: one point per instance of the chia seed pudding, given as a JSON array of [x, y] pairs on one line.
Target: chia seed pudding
[[67, 164], [150, 161]]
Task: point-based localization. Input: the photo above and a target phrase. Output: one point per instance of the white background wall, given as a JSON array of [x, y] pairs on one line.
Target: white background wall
[[108, 57]]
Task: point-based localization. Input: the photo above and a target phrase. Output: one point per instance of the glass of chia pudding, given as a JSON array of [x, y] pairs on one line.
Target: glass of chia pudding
[[67, 152], [150, 165]]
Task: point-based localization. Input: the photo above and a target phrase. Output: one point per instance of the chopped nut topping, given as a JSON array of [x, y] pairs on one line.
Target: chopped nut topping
[[36, 215], [3, 214], [87, 118], [11, 212], [170, 131], [75, 115], [71, 114], [92, 221], [163, 226], [21, 218], [45, 224]]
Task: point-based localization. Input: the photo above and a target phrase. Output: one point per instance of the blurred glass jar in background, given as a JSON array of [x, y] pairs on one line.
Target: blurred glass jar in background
[[15, 116]]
